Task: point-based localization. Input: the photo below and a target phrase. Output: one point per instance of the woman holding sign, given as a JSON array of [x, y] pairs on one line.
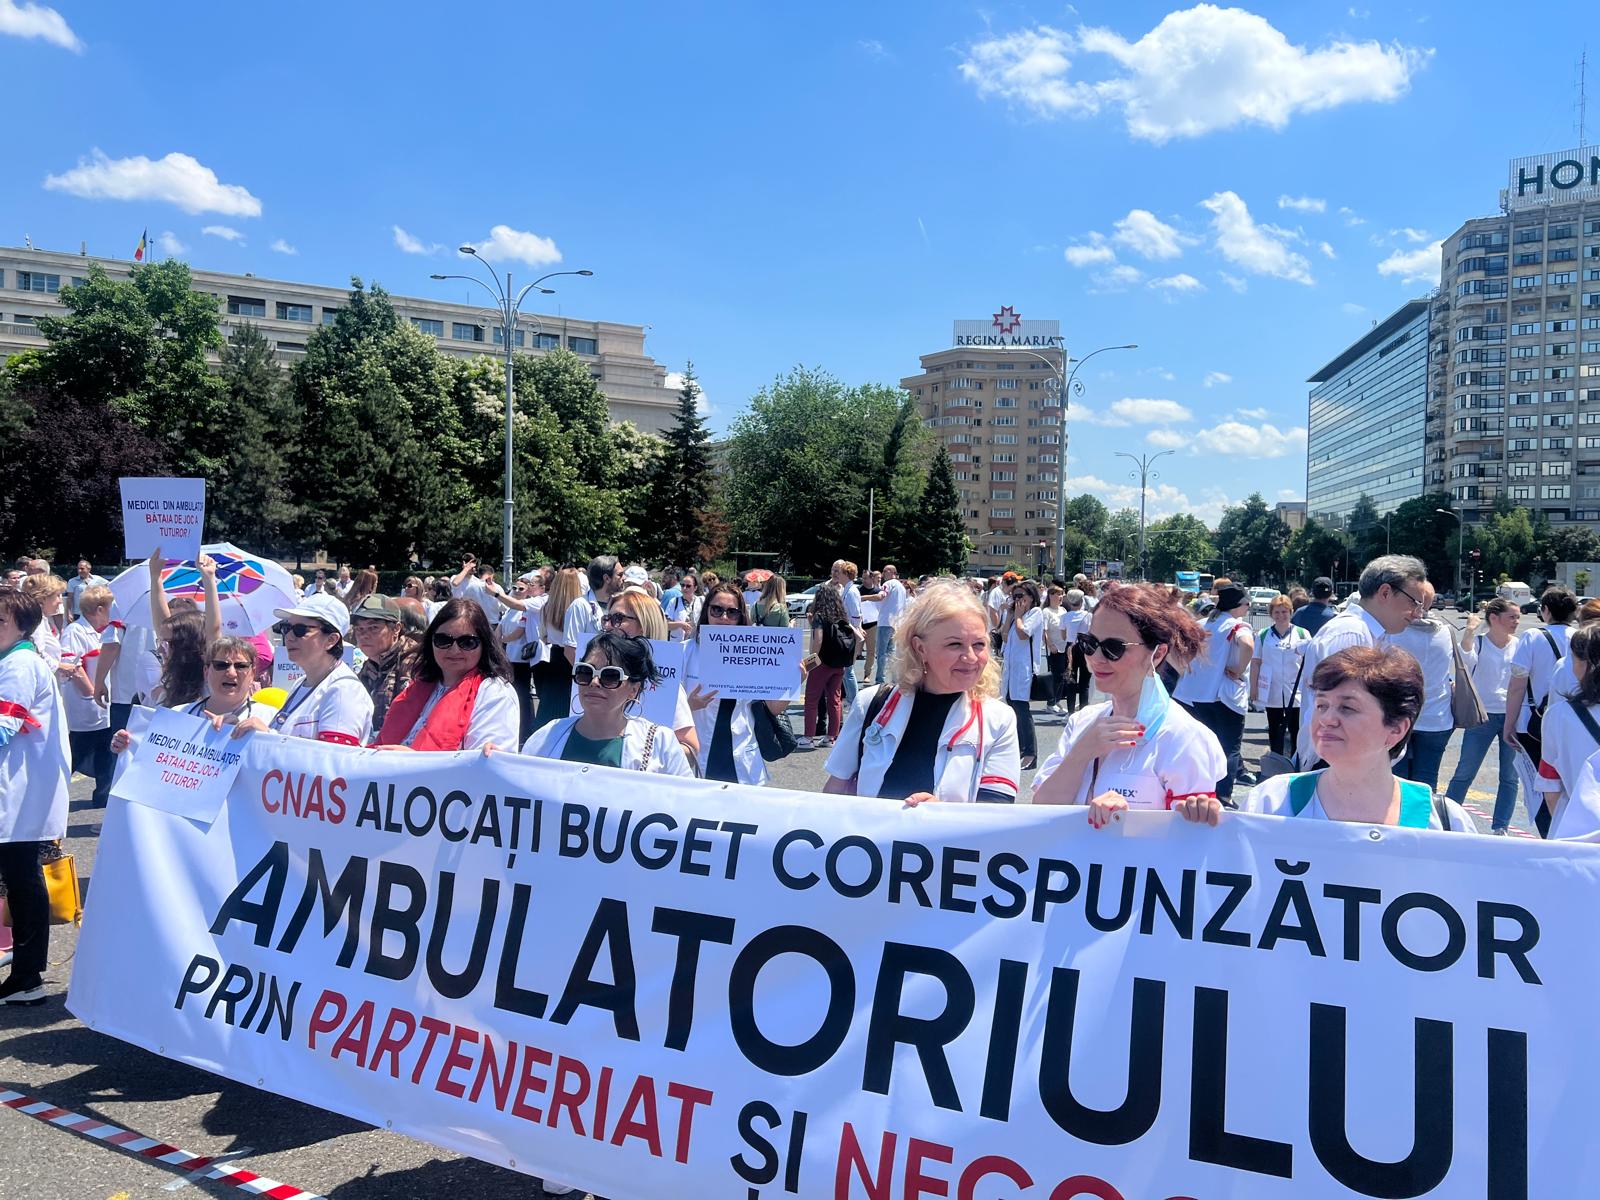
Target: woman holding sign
[[328, 704], [611, 677], [460, 696], [1139, 749], [938, 730], [726, 730], [1367, 701], [230, 682], [634, 612]]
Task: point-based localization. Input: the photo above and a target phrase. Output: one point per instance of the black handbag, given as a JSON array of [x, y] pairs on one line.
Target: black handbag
[[774, 735]]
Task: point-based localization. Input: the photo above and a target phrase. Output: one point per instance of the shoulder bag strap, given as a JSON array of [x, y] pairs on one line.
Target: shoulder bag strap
[[1586, 717], [1442, 811], [1555, 650]]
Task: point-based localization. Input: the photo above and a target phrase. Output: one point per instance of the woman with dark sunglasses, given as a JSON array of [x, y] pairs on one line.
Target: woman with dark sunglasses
[[460, 696], [230, 684], [725, 732], [634, 612], [1139, 749], [329, 704], [607, 733]]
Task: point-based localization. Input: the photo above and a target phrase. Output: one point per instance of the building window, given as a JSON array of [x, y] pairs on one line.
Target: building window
[[1001, 550], [294, 312], [1525, 329], [1557, 491], [580, 345], [1005, 384], [1527, 258], [34, 281], [1558, 278], [550, 341], [246, 306], [21, 319], [329, 315], [430, 326], [465, 331], [1526, 283], [291, 347], [1005, 421], [1557, 468], [1003, 512]]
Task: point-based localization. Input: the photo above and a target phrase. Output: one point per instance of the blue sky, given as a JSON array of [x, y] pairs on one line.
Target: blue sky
[[1240, 191]]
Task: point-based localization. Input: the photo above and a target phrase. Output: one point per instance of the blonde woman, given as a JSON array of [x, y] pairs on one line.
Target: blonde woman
[[634, 612], [1275, 675], [48, 592], [938, 729], [772, 607], [552, 679]]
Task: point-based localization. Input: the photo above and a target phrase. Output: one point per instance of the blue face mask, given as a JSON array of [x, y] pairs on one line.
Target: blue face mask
[[1153, 705]]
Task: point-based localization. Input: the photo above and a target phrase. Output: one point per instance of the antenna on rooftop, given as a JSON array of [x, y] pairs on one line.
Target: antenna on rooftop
[[1583, 98]]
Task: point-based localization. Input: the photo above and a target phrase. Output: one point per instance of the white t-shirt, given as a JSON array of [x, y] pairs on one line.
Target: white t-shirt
[[496, 716], [1281, 660], [869, 612], [474, 589], [47, 642], [892, 604], [1533, 658], [137, 670], [1491, 670], [83, 714], [582, 617], [76, 587], [1207, 679], [852, 603], [337, 710], [1271, 797], [1432, 645], [1181, 758]]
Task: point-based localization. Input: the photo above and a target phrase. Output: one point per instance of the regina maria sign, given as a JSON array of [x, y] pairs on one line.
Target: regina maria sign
[[1558, 178], [1007, 328]]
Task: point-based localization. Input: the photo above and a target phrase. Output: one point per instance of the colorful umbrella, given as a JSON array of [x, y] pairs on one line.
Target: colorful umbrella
[[758, 576], [249, 587]]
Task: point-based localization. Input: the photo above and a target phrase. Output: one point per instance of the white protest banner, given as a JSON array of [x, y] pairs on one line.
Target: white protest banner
[[659, 701], [670, 988], [165, 513], [748, 662], [181, 766], [286, 673]]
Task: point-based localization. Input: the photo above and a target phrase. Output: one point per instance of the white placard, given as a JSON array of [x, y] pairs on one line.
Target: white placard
[[659, 702], [169, 514], [748, 662], [286, 673], [181, 765]]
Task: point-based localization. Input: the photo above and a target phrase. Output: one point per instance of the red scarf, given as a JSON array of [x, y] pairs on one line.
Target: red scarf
[[447, 723]]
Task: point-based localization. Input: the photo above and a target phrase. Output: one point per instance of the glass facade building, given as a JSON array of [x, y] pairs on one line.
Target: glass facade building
[[1367, 412]]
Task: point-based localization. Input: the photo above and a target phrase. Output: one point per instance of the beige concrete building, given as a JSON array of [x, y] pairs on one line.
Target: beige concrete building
[[992, 401], [1514, 384], [634, 384]]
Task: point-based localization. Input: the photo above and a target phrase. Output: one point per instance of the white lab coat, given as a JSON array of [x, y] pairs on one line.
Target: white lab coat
[[747, 761], [35, 762], [977, 747], [666, 755], [1023, 660]]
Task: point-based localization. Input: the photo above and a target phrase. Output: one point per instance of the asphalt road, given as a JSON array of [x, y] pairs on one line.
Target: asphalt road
[[47, 1054]]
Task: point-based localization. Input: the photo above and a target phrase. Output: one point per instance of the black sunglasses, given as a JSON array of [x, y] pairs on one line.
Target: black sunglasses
[[610, 678], [299, 629], [718, 610], [222, 666], [1112, 648], [616, 618], [467, 641]]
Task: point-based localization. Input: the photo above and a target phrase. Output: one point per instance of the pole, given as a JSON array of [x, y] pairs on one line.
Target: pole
[[1066, 381], [871, 496], [510, 316]]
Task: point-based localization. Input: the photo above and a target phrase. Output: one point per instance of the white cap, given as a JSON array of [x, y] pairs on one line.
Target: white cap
[[636, 574], [321, 607]]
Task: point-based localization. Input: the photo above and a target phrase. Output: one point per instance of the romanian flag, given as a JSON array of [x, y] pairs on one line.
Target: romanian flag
[[144, 244]]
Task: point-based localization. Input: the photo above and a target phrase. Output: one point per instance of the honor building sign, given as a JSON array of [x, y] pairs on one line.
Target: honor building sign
[[1559, 178], [1007, 328]]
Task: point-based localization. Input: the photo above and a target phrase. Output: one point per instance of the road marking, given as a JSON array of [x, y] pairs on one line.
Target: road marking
[[198, 1166], [1487, 819], [200, 1173]]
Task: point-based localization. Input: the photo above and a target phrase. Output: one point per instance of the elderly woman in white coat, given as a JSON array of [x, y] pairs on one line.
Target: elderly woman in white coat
[[34, 773], [938, 730]]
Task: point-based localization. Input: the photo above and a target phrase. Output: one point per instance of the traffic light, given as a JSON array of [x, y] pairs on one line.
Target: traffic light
[[1475, 555]]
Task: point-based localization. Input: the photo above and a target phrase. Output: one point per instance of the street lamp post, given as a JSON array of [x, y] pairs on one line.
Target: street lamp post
[[1144, 475], [1461, 537], [507, 303], [1064, 383]]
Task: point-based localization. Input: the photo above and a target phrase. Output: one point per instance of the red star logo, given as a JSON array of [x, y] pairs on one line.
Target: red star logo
[[1007, 320]]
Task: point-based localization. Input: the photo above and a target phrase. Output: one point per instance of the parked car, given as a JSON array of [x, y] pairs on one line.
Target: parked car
[[1261, 599], [800, 602], [1444, 600]]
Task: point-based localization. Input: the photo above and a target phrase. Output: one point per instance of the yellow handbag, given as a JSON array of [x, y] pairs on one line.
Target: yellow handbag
[[66, 902]]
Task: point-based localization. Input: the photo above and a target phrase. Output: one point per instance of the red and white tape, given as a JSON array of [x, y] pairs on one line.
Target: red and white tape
[[154, 1149]]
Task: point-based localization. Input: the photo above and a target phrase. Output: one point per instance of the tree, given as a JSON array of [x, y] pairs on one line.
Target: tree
[[137, 347], [937, 538], [1565, 543], [681, 490], [1421, 530], [1122, 529], [1088, 516], [1312, 551], [1251, 537], [1178, 543], [1365, 527], [639, 457], [900, 479], [1507, 542], [250, 496]]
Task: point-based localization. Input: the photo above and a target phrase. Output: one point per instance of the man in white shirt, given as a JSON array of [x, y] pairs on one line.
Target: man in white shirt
[[889, 610], [1432, 643], [317, 585], [1390, 601], [85, 578], [844, 574], [1533, 668], [344, 583]]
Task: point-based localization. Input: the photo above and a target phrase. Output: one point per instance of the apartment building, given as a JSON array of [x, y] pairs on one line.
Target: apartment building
[[634, 384]]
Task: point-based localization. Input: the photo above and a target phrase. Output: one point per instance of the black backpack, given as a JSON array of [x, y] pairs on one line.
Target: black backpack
[[838, 645]]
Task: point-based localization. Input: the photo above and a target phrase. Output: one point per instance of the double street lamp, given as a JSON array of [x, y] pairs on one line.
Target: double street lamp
[[1144, 474], [507, 302], [1064, 382], [1461, 537]]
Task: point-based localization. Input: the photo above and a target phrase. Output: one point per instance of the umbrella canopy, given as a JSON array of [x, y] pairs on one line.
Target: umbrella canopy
[[249, 587], [758, 576]]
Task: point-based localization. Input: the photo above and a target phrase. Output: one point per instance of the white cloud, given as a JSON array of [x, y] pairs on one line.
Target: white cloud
[[1146, 234], [1253, 414], [1116, 279], [37, 21], [279, 246], [167, 242], [1239, 440], [872, 48], [1161, 499], [176, 179], [1303, 203], [226, 233], [1133, 410], [505, 244], [1160, 373], [1213, 378], [674, 384], [1202, 69], [413, 245], [1351, 307], [1261, 249], [1167, 439], [1327, 249], [1180, 282], [1414, 236], [1094, 253], [1414, 266], [1233, 281]]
